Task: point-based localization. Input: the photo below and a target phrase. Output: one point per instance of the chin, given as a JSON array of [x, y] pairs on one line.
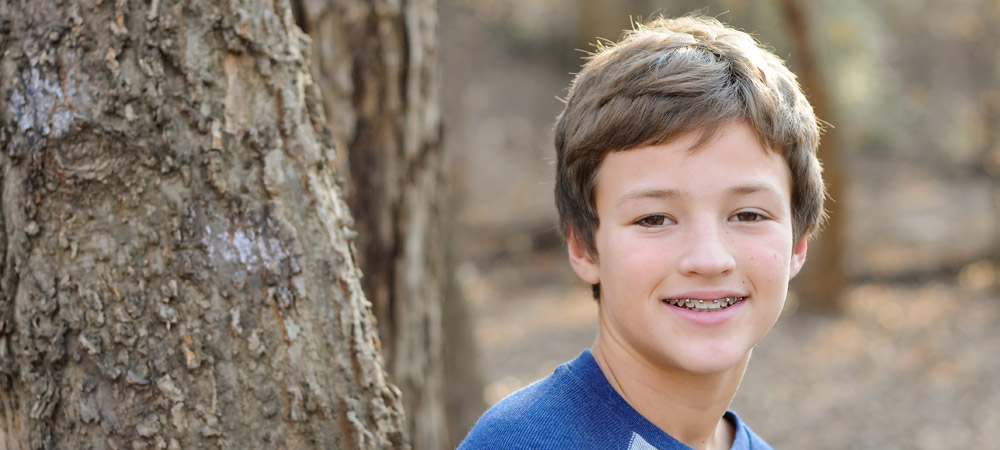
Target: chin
[[714, 361]]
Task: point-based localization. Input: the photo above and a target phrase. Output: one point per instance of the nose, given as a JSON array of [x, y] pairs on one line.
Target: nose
[[706, 252]]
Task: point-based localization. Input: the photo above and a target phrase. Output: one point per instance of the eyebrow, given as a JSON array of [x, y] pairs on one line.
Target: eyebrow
[[753, 188], [673, 194], [670, 194]]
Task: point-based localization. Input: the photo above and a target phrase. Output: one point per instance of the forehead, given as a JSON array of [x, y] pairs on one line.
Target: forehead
[[699, 160]]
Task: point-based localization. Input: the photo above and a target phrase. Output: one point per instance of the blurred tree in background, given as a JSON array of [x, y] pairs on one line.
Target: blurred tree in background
[[823, 282], [377, 62]]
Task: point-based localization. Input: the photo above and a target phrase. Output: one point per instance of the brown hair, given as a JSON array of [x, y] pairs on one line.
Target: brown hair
[[670, 77]]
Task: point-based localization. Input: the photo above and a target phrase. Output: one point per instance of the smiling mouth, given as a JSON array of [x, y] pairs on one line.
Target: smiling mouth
[[694, 304]]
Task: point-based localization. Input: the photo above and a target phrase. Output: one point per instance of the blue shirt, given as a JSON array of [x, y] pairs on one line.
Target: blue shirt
[[576, 408]]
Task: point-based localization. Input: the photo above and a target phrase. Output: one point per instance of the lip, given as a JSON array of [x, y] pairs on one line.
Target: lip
[[703, 318]]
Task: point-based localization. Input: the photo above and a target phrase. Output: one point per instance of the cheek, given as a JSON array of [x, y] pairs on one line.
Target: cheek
[[632, 263], [770, 259]]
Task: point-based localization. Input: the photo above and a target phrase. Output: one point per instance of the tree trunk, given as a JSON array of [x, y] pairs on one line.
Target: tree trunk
[[177, 266], [378, 59], [823, 281]]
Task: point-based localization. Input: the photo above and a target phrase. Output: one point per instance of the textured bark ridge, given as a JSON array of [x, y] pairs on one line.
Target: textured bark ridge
[[377, 59], [177, 265]]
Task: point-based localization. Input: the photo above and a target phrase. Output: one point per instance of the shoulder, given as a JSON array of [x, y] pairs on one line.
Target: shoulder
[[560, 411], [530, 417]]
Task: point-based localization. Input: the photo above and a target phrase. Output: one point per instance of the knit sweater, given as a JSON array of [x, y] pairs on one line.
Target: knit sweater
[[576, 408]]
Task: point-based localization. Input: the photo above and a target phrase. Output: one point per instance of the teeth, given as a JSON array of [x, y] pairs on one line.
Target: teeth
[[704, 305]]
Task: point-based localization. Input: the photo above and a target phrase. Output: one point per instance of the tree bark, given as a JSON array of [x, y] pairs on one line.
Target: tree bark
[[178, 269], [378, 59]]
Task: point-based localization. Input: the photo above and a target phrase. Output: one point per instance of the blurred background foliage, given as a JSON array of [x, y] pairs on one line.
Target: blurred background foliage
[[913, 91]]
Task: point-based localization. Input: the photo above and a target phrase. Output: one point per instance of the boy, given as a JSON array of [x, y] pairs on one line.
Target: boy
[[687, 185]]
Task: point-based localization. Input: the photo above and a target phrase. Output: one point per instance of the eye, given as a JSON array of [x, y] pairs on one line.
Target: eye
[[655, 220], [748, 216]]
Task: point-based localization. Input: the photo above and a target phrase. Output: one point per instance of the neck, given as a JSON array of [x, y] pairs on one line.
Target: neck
[[691, 410]]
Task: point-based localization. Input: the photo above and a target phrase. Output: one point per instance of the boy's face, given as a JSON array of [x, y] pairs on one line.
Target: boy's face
[[712, 224]]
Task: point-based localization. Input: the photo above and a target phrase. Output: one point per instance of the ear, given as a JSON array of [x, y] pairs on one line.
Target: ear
[[585, 265], [799, 256]]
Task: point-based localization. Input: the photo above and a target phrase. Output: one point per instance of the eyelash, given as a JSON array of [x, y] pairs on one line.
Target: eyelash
[[757, 216], [659, 220]]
